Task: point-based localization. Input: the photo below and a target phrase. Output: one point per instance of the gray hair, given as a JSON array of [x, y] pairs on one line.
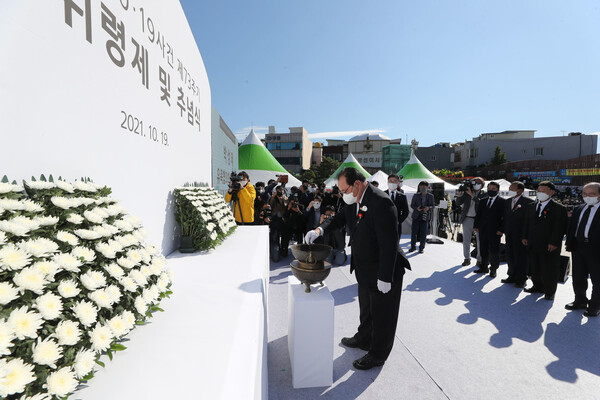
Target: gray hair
[[594, 184]]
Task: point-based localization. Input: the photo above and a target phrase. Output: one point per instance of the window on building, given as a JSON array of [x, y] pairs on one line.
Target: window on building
[[289, 160], [284, 146], [433, 158], [538, 151]]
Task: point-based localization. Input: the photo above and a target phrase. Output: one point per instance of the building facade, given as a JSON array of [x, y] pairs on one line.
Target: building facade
[[368, 150], [394, 157], [224, 148], [293, 150], [438, 156], [522, 145]]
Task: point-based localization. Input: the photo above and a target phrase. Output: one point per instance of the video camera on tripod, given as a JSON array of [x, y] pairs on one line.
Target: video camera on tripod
[[235, 184], [466, 184]]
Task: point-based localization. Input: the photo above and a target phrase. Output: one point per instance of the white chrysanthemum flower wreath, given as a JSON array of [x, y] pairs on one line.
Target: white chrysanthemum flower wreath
[[204, 215], [76, 275]]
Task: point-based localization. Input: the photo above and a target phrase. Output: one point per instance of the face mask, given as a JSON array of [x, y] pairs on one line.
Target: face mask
[[317, 205], [542, 196], [477, 186], [423, 189], [590, 201], [399, 184], [349, 198], [243, 183], [279, 194], [511, 193], [392, 186], [492, 193], [261, 190]]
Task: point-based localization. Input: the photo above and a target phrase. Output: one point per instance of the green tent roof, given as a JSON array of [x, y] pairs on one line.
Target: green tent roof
[[415, 170], [350, 162], [253, 155]]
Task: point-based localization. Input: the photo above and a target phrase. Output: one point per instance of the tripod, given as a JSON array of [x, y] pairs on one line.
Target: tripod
[[235, 200]]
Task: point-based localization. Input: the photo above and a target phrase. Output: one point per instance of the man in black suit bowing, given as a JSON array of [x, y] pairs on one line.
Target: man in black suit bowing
[[544, 229], [583, 241], [489, 222], [377, 260], [514, 220], [398, 198]]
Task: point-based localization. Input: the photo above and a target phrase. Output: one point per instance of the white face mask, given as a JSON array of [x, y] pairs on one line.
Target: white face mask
[[511, 193], [317, 205], [392, 186], [243, 183], [399, 184], [590, 201], [542, 196], [477, 186], [349, 198]]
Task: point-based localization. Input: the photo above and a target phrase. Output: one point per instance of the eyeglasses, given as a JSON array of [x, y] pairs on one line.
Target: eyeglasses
[[346, 190]]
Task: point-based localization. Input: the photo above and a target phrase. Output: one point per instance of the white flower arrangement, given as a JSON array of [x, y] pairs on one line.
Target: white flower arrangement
[[203, 215], [76, 276]]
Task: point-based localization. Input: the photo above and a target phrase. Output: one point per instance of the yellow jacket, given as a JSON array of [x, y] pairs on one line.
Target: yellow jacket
[[246, 197]]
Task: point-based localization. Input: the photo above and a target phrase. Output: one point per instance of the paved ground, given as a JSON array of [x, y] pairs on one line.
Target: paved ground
[[460, 336]]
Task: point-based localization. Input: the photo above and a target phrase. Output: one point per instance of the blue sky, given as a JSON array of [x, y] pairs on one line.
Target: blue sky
[[434, 70]]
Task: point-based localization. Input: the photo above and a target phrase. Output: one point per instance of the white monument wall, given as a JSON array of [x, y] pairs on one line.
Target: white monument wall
[[84, 86]]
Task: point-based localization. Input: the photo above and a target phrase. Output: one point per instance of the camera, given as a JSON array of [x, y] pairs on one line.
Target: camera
[[464, 185], [267, 212], [335, 190], [235, 182]]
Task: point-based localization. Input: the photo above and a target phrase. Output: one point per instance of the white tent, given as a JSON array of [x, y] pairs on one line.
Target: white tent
[[259, 163], [380, 177]]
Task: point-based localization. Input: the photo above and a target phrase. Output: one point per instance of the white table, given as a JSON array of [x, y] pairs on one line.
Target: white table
[[211, 341], [310, 334]]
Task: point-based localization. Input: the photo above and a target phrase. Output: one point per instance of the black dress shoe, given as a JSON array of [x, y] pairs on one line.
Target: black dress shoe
[[367, 362], [466, 262], [412, 249], [492, 273], [353, 343], [592, 312], [533, 289], [549, 296], [520, 285], [482, 271], [576, 306], [420, 251], [508, 280]]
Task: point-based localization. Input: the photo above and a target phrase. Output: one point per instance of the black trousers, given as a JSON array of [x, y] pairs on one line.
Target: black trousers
[[419, 232], [518, 261], [544, 267], [490, 249], [586, 263], [378, 318]]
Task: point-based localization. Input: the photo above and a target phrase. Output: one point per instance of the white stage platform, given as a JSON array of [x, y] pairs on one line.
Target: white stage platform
[[210, 343]]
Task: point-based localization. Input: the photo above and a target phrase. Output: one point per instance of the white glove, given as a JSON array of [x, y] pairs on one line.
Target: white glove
[[384, 287], [311, 236]]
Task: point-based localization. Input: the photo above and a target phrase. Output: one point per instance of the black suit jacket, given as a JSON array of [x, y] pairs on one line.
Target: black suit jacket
[[514, 218], [376, 252], [593, 234], [401, 206], [548, 229], [490, 219]]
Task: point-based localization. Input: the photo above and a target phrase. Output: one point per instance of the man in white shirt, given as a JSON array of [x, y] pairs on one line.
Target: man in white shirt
[[583, 241]]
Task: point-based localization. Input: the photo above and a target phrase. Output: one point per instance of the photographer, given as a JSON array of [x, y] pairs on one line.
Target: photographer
[[261, 198], [313, 213], [278, 209], [468, 196], [264, 215], [333, 198], [242, 194], [422, 205], [293, 223], [304, 194]]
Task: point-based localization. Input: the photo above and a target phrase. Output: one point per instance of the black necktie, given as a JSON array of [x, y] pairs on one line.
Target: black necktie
[[490, 203], [582, 224], [537, 211]]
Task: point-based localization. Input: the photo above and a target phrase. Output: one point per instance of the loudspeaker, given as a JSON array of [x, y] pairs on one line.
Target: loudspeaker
[[437, 189], [565, 268]]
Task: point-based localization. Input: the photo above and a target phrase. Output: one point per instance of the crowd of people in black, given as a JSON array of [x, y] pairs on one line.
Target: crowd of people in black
[[534, 230]]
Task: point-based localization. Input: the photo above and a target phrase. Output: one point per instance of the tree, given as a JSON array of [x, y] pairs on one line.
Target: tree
[[499, 157], [324, 170], [308, 175]]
